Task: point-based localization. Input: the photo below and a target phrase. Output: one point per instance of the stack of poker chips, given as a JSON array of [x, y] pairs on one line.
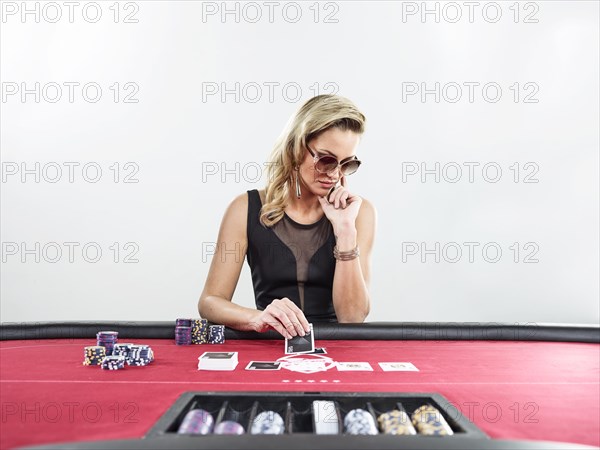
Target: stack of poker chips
[[216, 334], [359, 421], [183, 335], [140, 355], [113, 362], [196, 421], [268, 422], [183, 331], [122, 349], [107, 339], [396, 422], [429, 421], [93, 355], [199, 331]]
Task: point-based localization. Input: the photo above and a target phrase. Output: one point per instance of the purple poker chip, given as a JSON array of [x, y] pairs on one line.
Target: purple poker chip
[[196, 421], [107, 339], [229, 427], [183, 322], [183, 335]]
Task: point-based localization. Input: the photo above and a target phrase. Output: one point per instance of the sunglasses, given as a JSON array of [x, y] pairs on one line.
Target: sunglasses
[[328, 163]]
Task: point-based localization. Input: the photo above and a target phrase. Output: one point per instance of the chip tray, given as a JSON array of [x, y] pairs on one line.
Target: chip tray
[[296, 409]]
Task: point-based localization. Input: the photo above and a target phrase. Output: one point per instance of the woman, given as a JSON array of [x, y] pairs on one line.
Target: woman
[[307, 238]]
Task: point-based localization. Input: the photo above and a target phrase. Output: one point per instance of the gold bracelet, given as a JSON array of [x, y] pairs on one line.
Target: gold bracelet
[[346, 256]]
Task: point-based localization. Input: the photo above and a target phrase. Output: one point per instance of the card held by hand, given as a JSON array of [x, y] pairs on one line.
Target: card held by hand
[[301, 344]]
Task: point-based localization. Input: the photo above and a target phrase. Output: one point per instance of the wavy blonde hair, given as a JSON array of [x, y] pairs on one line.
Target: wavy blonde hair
[[316, 116]]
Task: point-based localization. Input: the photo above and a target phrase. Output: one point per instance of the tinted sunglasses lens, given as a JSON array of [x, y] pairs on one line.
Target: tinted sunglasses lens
[[326, 164], [348, 168]]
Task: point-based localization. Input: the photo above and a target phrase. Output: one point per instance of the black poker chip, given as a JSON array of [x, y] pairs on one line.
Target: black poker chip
[[216, 334]]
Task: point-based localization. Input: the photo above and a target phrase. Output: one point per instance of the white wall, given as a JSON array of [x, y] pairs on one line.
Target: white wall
[[371, 52]]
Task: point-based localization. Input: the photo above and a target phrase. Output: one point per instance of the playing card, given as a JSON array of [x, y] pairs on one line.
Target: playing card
[[218, 355], [344, 366], [263, 365], [319, 351], [301, 344], [398, 367], [218, 361]]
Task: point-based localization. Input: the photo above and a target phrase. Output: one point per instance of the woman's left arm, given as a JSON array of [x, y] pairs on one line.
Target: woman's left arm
[[354, 222]]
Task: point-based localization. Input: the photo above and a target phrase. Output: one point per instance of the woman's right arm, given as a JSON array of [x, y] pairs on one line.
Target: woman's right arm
[[215, 302]]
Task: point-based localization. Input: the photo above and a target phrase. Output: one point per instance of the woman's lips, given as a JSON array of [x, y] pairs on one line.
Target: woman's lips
[[326, 184]]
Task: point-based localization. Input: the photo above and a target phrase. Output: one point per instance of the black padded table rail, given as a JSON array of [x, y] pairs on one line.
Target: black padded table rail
[[328, 331]]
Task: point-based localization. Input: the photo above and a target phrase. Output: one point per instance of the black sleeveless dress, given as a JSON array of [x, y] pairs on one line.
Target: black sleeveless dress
[[292, 260]]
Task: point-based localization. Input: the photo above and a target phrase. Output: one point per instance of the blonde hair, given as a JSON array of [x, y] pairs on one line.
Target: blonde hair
[[316, 116]]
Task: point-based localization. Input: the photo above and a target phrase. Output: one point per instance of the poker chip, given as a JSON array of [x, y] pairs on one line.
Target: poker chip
[[107, 339], [229, 427], [216, 334], [183, 322], [183, 335], [268, 422], [395, 422], [196, 421], [140, 355], [429, 421], [359, 421], [113, 362], [93, 355], [199, 331], [122, 349], [111, 355]]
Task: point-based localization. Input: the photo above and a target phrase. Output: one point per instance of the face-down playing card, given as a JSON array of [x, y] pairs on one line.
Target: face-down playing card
[[263, 365], [301, 344]]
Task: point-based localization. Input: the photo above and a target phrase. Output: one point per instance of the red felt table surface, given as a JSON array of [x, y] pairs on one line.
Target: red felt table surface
[[511, 390]]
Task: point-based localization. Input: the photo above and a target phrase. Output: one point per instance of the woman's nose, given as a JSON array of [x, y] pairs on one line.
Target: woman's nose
[[334, 171]]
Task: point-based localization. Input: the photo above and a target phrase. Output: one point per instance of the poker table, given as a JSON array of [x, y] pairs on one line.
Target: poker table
[[522, 385]]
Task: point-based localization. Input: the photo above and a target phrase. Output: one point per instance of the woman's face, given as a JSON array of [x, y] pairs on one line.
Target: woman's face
[[335, 142]]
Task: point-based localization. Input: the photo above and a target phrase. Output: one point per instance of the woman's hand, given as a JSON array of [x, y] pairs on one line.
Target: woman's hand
[[284, 316], [342, 207]]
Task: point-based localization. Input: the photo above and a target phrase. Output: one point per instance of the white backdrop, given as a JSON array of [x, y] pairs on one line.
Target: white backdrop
[[127, 128]]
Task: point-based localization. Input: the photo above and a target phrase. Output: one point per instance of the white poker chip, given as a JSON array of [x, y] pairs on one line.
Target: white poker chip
[[268, 422], [359, 421]]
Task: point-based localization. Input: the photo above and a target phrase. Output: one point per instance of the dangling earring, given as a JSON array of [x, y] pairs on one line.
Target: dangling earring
[[298, 193]]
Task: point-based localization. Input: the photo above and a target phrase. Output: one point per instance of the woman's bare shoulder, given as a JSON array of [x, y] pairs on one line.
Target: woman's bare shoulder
[[367, 210], [236, 214], [241, 199]]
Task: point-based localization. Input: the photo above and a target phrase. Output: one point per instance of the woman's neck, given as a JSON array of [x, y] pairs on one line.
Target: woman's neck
[[306, 209]]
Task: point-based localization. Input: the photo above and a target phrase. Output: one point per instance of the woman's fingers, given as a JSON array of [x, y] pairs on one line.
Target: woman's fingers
[[284, 316], [290, 316], [302, 323], [277, 325], [339, 197]]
